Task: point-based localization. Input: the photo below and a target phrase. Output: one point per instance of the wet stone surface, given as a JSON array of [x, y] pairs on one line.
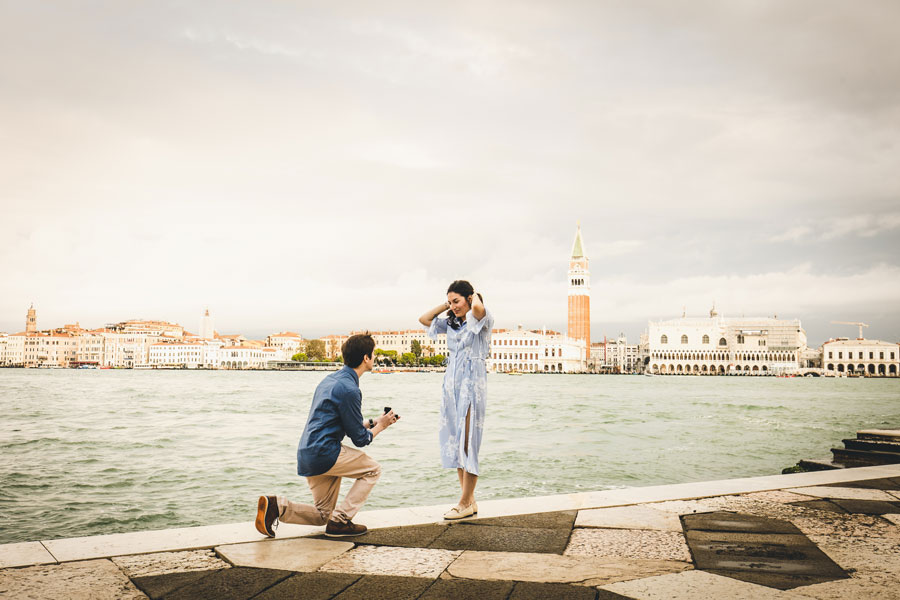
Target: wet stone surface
[[757, 550], [503, 539]]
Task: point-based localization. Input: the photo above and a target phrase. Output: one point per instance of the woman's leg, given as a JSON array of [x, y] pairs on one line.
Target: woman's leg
[[467, 480]]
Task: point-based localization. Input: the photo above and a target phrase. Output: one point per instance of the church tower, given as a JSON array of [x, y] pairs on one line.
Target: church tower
[[579, 294], [31, 321], [207, 331]]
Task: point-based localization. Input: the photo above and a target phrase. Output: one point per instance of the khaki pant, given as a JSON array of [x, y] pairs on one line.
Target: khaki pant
[[352, 463]]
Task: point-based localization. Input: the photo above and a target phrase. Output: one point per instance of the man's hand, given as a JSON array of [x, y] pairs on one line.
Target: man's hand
[[387, 419]]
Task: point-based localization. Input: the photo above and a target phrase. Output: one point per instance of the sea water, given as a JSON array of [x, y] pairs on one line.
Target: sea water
[[87, 452]]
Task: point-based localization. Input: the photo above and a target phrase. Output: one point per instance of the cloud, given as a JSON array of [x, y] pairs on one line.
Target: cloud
[[834, 228]]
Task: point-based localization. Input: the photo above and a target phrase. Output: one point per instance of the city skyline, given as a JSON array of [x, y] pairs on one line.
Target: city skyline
[[332, 168]]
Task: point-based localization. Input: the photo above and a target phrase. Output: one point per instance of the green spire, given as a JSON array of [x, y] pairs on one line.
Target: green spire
[[577, 247]]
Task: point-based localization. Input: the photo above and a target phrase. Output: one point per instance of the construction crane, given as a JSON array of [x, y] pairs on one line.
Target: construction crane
[[857, 323]]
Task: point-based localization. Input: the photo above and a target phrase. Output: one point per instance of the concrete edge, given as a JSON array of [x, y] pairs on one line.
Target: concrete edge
[[209, 536]]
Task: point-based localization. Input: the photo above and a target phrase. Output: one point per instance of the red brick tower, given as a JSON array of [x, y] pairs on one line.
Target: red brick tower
[[579, 294]]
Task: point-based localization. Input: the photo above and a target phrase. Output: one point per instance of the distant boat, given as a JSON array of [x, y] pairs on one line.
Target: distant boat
[[648, 374], [513, 372]]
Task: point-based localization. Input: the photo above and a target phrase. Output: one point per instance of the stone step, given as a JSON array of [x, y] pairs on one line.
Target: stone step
[[872, 445], [880, 435], [819, 465], [862, 458]]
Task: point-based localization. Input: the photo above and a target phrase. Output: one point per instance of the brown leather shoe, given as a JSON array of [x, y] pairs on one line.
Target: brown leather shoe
[[335, 529], [267, 515]]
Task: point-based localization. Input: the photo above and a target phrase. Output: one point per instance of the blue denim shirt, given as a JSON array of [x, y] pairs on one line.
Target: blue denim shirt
[[336, 411]]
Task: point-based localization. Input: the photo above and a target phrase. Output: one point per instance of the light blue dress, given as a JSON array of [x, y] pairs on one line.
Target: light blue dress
[[464, 389]]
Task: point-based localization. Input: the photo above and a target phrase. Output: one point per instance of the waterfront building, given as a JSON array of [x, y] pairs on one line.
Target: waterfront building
[[872, 358], [248, 357], [534, 351], [401, 341], [90, 348], [717, 345], [187, 355], [207, 330], [4, 341], [615, 356], [231, 340], [50, 349], [291, 343], [579, 323], [126, 350], [15, 350], [151, 328]]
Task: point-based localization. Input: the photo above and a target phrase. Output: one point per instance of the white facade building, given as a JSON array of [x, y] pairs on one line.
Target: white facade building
[[719, 346], [528, 351], [188, 355], [247, 357], [401, 341], [288, 341], [872, 358]]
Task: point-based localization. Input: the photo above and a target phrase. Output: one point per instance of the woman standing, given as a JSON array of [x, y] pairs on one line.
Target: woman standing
[[468, 328]]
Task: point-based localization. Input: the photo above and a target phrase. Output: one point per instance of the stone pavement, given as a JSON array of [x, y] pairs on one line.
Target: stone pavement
[[805, 536]]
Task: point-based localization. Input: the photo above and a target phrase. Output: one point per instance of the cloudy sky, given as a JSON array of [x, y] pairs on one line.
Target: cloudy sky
[[322, 167]]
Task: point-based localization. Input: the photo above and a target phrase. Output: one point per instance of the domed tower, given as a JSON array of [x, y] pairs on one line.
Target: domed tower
[[31, 320], [579, 293]]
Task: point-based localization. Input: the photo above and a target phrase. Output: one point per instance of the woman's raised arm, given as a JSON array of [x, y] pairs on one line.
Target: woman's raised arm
[[477, 306], [429, 316]]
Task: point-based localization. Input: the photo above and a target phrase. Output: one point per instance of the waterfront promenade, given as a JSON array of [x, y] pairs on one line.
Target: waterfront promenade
[[830, 534]]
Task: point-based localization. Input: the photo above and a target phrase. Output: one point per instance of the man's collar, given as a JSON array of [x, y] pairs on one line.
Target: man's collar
[[353, 372]]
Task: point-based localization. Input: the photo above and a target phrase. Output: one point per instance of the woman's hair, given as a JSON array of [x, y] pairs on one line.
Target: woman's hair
[[464, 289]]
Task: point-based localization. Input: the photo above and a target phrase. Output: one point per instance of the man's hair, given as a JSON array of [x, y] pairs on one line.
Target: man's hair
[[356, 348]]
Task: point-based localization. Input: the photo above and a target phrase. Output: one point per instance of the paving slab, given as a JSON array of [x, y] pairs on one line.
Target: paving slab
[[467, 589], [867, 507], [847, 589], [94, 579], [387, 560], [167, 540], [893, 518], [844, 493], [840, 526], [775, 496], [529, 590], [550, 520], [628, 543], [299, 554], [552, 568], [385, 587], [629, 517], [821, 504], [238, 583], [309, 586], [503, 539], [737, 522], [885, 483], [161, 563], [691, 585], [682, 507], [157, 586], [413, 536], [24, 554]]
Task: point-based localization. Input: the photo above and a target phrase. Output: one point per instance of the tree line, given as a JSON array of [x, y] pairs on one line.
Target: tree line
[[316, 351]]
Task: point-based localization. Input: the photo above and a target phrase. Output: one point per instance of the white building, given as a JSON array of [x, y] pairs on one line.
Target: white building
[[4, 341], [188, 355], [528, 351], [291, 343], [716, 345], [401, 341], [15, 350], [872, 358], [615, 356], [248, 357], [90, 348]]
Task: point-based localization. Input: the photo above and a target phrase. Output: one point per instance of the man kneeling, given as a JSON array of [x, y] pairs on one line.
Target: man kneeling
[[336, 412]]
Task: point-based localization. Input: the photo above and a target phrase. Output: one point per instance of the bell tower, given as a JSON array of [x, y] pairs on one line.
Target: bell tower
[[579, 294], [31, 320]]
